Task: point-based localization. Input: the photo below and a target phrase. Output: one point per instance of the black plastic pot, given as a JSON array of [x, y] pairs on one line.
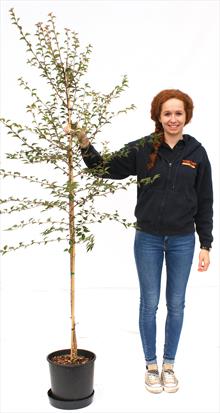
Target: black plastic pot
[[71, 385]]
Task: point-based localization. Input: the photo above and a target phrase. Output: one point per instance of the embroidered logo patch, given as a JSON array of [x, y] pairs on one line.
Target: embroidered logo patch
[[188, 162]]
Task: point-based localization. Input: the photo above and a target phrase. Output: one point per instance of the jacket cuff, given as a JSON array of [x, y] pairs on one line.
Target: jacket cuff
[[205, 247], [85, 150]]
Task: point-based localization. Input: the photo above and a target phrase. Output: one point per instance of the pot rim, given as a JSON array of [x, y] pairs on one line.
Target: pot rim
[[66, 351]]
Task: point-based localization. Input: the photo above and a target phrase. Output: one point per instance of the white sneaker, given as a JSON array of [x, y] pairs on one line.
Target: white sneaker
[[152, 379], [168, 379]]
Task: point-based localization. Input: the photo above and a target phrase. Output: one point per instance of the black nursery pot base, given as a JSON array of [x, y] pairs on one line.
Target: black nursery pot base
[[69, 404]]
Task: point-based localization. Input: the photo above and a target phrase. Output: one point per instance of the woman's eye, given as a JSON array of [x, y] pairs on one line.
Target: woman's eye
[[167, 114]]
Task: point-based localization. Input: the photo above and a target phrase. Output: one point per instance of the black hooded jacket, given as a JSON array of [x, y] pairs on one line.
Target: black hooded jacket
[[179, 198]]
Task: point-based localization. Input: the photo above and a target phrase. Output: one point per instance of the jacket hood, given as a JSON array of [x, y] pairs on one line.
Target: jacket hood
[[191, 144]]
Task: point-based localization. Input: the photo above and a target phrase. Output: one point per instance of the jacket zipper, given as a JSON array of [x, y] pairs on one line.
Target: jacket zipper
[[170, 164]]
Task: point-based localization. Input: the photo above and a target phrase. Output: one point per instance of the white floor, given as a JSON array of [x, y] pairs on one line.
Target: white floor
[[35, 321]]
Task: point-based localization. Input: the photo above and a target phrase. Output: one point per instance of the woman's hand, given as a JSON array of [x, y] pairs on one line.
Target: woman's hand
[[79, 132], [204, 260]]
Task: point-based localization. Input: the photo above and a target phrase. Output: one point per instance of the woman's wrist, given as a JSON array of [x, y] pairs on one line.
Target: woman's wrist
[[85, 144]]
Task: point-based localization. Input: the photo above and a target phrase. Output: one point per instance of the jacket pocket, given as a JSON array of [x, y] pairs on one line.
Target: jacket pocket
[[179, 210], [148, 205]]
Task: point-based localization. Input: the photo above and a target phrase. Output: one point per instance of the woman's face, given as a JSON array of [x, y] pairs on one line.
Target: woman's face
[[173, 117]]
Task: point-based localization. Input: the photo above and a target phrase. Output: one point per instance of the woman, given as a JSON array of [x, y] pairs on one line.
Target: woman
[[177, 202]]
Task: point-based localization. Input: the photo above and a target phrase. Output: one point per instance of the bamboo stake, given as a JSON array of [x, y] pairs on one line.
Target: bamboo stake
[[73, 347]]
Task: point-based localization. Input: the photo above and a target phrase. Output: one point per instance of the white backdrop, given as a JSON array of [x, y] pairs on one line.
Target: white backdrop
[[158, 44]]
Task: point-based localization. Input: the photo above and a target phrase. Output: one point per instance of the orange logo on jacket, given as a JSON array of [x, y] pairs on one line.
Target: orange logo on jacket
[[188, 162]]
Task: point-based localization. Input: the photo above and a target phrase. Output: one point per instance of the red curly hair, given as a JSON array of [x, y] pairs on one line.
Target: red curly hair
[[156, 106]]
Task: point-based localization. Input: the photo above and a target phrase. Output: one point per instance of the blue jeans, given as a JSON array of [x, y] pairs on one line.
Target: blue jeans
[[149, 255]]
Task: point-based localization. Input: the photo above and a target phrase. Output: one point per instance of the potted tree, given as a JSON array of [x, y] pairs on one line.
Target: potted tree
[[70, 99]]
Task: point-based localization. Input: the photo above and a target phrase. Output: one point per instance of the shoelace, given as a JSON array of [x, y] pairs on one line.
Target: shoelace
[[153, 376], [169, 375], [169, 371]]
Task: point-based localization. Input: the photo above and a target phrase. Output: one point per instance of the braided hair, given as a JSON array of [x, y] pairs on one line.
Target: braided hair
[[156, 106]]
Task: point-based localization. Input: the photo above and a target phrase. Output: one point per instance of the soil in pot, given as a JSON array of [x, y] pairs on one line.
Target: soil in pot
[[65, 359]]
